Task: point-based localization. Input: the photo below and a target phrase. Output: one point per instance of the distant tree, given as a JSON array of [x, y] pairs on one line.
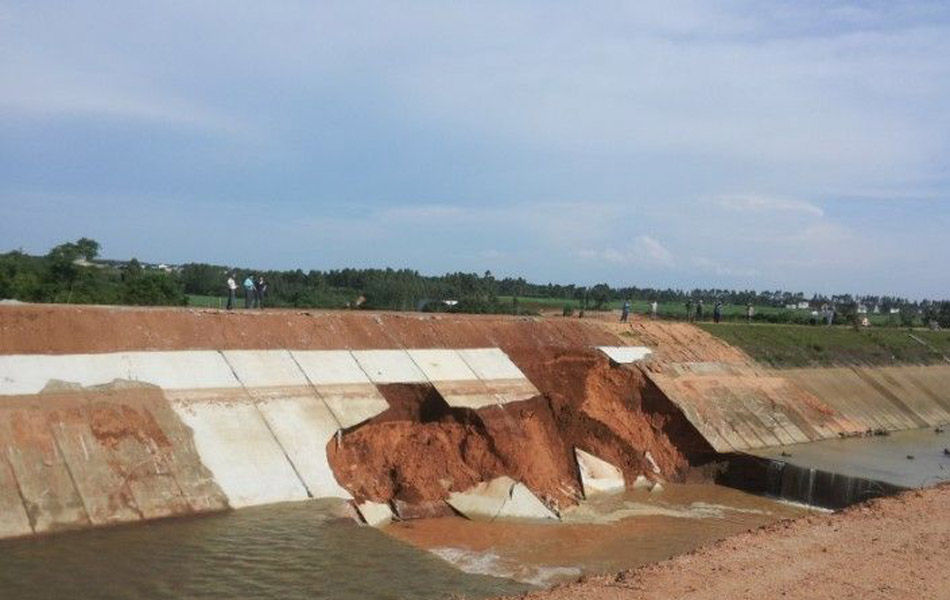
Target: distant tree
[[600, 294], [131, 270], [88, 248]]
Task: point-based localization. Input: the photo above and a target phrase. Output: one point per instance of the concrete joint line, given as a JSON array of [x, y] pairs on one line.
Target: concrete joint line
[[266, 424], [19, 490], [69, 471], [339, 431]]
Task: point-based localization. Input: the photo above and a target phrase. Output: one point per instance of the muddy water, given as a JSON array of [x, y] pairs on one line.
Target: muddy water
[[285, 551], [302, 550], [605, 535], [911, 459]]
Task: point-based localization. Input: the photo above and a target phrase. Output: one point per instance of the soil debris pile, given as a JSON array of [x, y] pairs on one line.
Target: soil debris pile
[[421, 450]]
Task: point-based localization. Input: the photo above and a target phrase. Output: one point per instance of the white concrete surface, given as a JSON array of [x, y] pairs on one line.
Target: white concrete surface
[[239, 449], [389, 366], [442, 365], [29, 373], [642, 483], [490, 363], [182, 370], [265, 368], [303, 427], [500, 498], [187, 369], [655, 467], [352, 405], [597, 475], [343, 385], [503, 379], [453, 378], [626, 355], [330, 367], [375, 514]]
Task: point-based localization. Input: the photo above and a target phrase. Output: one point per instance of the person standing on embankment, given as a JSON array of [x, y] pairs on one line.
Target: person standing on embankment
[[232, 289], [248, 291], [260, 288], [625, 311]]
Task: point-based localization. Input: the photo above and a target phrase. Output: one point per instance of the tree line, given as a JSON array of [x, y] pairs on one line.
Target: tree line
[[72, 272]]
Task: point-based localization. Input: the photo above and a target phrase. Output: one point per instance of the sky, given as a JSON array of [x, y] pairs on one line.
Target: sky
[[770, 145]]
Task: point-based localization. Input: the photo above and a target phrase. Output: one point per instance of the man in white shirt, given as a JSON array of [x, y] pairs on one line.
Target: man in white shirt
[[232, 289]]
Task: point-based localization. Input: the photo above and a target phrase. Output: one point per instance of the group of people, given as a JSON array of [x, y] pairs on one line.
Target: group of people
[[700, 311], [255, 288], [694, 312], [625, 310]]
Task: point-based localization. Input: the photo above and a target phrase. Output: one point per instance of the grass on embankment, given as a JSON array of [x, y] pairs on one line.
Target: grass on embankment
[[811, 346]]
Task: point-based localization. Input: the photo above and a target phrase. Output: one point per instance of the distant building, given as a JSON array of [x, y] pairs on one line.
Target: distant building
[[895, 311]]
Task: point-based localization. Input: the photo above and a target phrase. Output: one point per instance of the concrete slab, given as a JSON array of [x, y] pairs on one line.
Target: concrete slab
[[502, 378], [22, 374], [389, 366], [342, 384], [626, 355], [49, 495], [375, 514], [237, 446], [182, 370], [352, 405], [490, 363], [180, 459], [454, 379], [134, 433], [499, 498], [265, 368], [104, 492], [525, 505], [442, 365], [597, 475], [330, 367], [13, 519], [303, 426], [29, 374]]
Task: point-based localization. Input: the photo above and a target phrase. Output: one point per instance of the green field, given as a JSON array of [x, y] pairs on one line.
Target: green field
[[805, 346], [677, 310]]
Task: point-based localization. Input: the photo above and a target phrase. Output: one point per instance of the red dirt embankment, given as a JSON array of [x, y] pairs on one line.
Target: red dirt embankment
[[420, 449], [889, 549]]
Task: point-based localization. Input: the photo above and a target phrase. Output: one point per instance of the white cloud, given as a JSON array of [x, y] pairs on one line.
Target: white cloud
[[646, 251], [765, 204]]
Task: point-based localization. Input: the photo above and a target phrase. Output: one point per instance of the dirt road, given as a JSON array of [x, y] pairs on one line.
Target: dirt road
[[895, 548]]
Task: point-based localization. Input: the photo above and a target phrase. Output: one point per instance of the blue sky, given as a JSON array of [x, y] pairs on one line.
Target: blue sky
[[793, 145]]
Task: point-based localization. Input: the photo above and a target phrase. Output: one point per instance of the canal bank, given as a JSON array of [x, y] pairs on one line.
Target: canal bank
[[118, 416]]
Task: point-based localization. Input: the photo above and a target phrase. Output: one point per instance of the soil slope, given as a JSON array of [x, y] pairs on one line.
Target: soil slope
[[895, 548]]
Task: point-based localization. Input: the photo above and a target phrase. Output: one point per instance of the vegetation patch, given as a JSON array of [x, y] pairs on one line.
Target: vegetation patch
[[818, 346]]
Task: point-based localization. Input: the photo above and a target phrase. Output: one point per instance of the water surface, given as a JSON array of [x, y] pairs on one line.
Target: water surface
[[286, 551]]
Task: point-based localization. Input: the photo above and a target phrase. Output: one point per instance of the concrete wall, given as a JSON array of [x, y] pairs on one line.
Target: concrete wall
[[96, 439], [740, 407]]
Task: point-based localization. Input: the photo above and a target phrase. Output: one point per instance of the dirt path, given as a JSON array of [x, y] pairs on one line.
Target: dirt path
[[895, 548]]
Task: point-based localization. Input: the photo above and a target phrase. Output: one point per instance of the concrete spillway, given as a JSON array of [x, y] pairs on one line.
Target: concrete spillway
[[94, 439]]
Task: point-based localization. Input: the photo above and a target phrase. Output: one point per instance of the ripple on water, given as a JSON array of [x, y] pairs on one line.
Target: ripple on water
[[287, 551]]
